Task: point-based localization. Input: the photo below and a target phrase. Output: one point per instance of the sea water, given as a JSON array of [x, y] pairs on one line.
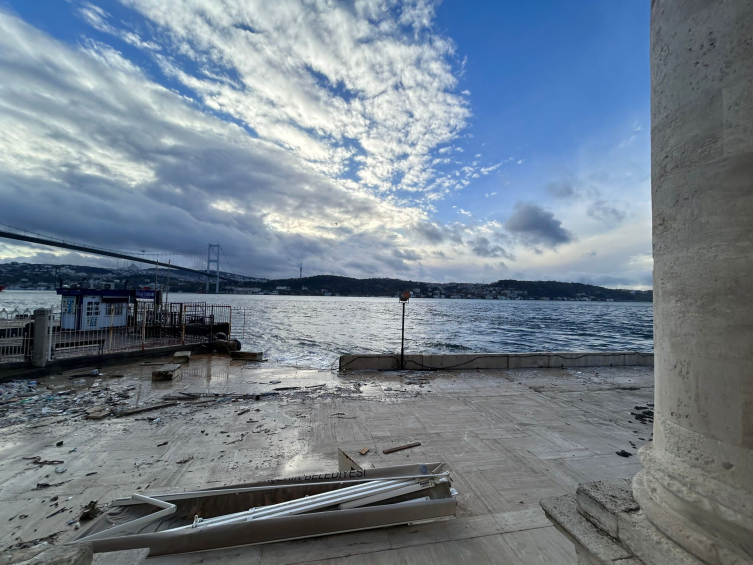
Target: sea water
[[309, 331]]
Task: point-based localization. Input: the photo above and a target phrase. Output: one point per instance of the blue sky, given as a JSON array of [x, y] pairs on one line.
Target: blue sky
[[417, 139]]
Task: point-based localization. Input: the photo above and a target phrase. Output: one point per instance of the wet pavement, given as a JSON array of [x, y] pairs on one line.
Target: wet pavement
[[509, 438]]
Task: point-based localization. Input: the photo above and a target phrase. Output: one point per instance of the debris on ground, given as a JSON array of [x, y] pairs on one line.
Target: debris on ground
[[90, 511], [623, 453], [401, 447], [37, 460], [140, 409], [52, 538], [365, 450], [167, 372], [41, 486], [80, 374], [63, 509], [96, 412]]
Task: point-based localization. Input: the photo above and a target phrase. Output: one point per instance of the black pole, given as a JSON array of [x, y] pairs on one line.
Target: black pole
[[402, 342]]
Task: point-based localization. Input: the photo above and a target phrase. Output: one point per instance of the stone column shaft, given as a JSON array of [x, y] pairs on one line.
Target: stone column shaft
[[697, 486]]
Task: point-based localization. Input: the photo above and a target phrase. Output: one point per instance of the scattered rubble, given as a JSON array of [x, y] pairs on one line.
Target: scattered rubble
[[37, 460], [89, 512]]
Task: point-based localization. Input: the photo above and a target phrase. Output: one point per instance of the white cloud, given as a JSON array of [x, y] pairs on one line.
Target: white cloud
[[111, 157], [324, 80], [319, 131]]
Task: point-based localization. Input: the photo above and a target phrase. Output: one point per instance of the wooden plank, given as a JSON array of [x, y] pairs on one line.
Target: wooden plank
[[144, 409], [401, 447]]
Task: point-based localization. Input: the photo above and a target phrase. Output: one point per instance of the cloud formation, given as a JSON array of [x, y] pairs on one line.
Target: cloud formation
[[536, 226], [606, 213], [366, 87], [323, 132], [107, 153], [482, 247]]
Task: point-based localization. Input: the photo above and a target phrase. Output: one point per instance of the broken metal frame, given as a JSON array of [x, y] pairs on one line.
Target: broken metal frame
[[125, 526], [167, 509], [127, 501], [348, 497]]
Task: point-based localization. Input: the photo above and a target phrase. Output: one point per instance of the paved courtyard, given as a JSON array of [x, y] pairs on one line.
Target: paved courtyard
[[509, 438]]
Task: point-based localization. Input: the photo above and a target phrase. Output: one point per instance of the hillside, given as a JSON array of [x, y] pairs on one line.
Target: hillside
[[47, 277]]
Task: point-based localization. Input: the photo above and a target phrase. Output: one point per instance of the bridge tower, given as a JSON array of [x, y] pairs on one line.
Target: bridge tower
[[213, 258]]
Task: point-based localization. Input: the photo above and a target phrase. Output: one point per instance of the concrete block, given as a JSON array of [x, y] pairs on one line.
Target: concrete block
[[632, 358], [226, 345], [563, 513], [494, 361], [528, 360], [645, 359], [491, 361], [601, 501], [370, 362], [168, 372], [413, 362], [650, 545], [248, 355], [182, 357], [79, 554], [128, 557]]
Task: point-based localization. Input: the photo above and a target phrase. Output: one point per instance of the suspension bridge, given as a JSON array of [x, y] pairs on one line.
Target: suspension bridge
[[190, 261]]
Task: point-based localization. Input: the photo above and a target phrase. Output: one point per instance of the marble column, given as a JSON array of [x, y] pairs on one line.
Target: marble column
[[697, 486]]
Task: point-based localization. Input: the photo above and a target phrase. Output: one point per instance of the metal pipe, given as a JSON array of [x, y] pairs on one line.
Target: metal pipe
[[402, 342], [301, 505], [392, 493]]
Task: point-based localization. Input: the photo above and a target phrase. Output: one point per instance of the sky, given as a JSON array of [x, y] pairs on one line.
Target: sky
[[425, 140]]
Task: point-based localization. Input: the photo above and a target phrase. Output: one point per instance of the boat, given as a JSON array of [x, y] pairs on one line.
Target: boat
[[337, 501]]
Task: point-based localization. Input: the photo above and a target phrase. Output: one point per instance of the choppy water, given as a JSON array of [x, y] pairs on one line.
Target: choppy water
[[314, 331]]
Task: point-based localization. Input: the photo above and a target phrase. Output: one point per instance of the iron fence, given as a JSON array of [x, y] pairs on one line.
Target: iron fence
[[109, 327], [243, 323], [16, 335]]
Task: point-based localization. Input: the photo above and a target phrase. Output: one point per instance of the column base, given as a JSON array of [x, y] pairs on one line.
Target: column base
[[606, 525], [708, 518]]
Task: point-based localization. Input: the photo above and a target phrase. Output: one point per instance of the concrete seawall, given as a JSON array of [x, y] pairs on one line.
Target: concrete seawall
[[468, 361]]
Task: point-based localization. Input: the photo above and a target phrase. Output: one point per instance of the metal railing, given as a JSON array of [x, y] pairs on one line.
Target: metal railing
[[95, 329], [16, 335]]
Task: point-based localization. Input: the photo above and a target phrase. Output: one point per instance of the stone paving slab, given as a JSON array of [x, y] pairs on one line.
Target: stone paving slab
[[509, 438]]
